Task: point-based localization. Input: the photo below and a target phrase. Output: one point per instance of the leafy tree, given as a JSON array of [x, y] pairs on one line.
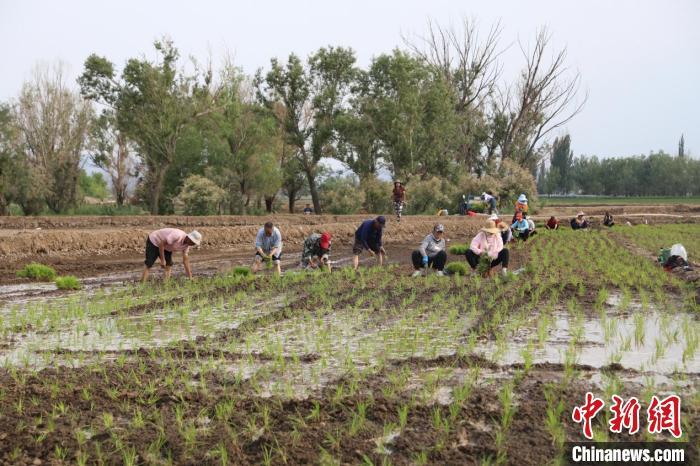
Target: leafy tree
[[561, 163], [93, 185], [154, 105], [112, 152], [340, 195], [53, 122], [200, 196], [306, 100]]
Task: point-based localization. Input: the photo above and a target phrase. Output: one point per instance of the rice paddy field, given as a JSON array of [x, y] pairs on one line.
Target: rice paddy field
[[367, 367]]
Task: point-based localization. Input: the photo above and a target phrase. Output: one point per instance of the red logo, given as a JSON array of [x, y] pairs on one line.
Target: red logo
[[665, 415], [625, 415], [587, 412]]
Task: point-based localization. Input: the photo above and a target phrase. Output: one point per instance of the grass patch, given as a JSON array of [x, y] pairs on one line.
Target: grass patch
[[459, 249], [457, 268], [241, 270], [36, 271], [69, 282]]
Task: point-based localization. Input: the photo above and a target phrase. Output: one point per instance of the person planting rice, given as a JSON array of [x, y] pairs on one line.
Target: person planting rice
[[490, 200], [316, 251], [399, 198], [268, 247], [506, 233], [579, 222], [530, 225], [552, 223], [369, 237], [520, 206], [488, 242], [160, 244], [431, 252], [521, 228], [608, 220]]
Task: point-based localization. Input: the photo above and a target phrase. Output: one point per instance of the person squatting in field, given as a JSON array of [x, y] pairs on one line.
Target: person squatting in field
[[552, 223], [520, 206], [506, 233], [398, 198], [608, 220], [268, 247], [488, 241], [431, 252], [316, 251], [579, 222], [160, 244], [521, 227], [369, 237]]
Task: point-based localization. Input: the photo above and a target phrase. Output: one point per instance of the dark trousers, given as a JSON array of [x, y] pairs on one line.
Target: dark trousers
[[437, 261], [473, 259], [523, 235]]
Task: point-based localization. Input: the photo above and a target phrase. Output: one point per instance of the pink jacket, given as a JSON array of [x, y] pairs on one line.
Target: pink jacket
[[491, 244]]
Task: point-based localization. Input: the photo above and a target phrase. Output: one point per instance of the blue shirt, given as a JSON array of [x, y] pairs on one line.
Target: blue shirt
[[268, 243], [368, 235], [521, 225]]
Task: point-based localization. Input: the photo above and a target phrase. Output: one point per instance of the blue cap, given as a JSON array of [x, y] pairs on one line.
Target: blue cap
[[381, 220]]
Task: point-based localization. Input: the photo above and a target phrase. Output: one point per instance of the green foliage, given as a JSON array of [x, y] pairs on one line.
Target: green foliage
[[377, 195], [68, 282], [459, 249], [38, 272], [93, 185], [656, 174], [484, 264], [340, 195], [429, 195], [244, 271], [457, 268], [200, 196], [558, 178]]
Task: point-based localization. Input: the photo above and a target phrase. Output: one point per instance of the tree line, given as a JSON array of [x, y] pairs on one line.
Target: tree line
[[435, 112], [655, 174]]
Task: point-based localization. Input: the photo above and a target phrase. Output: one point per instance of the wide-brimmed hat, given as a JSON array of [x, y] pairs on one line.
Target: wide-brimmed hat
[[325, 240], [522, 199], [580, 213], [491, 228], [494, 217], [195, 237]]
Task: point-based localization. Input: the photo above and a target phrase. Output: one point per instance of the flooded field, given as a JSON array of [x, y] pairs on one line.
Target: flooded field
[[367, 367]]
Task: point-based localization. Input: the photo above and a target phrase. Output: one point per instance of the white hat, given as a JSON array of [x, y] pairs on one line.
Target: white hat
[[522, 199], [439, 227], [494, 217], [195, 237], [580, 214]]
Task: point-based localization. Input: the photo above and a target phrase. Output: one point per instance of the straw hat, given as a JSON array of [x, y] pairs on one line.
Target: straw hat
[[491, 228], [580, 214]]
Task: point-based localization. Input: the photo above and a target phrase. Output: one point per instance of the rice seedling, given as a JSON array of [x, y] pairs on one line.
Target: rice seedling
[[38, 272], [68, 282]]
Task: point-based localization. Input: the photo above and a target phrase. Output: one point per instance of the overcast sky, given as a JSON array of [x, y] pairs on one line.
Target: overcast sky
[[639, 60]]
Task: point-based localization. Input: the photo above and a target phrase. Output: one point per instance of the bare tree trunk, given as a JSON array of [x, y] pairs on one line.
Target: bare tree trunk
[[156, 189], [292, 193], [311, 177]]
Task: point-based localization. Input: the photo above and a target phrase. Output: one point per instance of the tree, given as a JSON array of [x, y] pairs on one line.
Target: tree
[[111, 151], [681, 147], [412, 115], [154, 105], [200, 196], [561, 163], [545, 99], [53, 122], [93, 185], [306, 100]]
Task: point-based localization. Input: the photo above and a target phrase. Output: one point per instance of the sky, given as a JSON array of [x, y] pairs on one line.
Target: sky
[[639, 60]]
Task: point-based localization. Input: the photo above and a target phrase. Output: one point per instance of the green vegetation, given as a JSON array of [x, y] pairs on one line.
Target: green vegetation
[[457, 268], [36, 271], [244, 271], [459, 249], [68, 282]]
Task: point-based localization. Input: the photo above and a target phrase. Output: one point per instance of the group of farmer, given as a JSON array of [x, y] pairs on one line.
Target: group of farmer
[[490, 242]]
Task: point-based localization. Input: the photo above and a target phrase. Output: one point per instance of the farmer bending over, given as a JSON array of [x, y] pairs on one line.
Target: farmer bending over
[[369, 237], [521, 228], [608, 220], [268, 247], [490, 200], [317, 248], [552, 223], [488, 241], [160, 244], [580, 222], [431, 252]]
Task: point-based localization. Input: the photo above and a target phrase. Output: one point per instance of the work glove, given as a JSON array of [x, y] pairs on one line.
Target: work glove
[[425, 261]]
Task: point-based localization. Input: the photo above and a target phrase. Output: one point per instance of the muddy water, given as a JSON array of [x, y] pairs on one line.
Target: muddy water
[[645, 340]]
